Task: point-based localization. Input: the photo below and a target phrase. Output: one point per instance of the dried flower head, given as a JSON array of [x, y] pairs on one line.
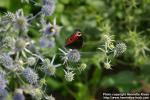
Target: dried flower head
[[30, 76]]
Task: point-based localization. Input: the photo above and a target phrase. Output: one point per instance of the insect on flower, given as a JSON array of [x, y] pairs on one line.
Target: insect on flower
[[75, 41]]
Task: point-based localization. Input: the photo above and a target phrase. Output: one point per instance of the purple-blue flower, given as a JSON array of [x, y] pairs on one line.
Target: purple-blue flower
[[3, 81], [31, 76], [18, 95], [3, 93]]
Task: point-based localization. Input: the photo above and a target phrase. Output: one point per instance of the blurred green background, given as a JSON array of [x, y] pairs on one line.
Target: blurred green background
[[127, 20]]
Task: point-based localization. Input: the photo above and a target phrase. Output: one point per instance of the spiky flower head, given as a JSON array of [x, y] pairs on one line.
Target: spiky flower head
[[69, 75], [31, 61], [9, 42], [3, 81], [20, 22], [18, 95], [49, 68], [6, 61], [72, 55], [30, 76], [119, 49], [9, 17], [48, 8], [20, 44], [3, 93], [49, 30]]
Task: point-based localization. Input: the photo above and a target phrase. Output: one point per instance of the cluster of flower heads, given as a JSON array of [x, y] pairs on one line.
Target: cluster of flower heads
[[20, 55], [110, 47]]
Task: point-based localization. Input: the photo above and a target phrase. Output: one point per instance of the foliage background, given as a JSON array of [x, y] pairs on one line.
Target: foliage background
[[128, 20]]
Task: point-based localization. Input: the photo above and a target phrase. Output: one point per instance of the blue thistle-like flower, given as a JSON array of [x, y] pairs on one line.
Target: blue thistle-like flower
[[20, 22], [49, 30], [72, 55], [119, 49], [45, 42], [6, 61], [18, 95], [47, 9], [30, 76], [3, 81], [69, 75], [49, 68], [3, 93], [20, 44]]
